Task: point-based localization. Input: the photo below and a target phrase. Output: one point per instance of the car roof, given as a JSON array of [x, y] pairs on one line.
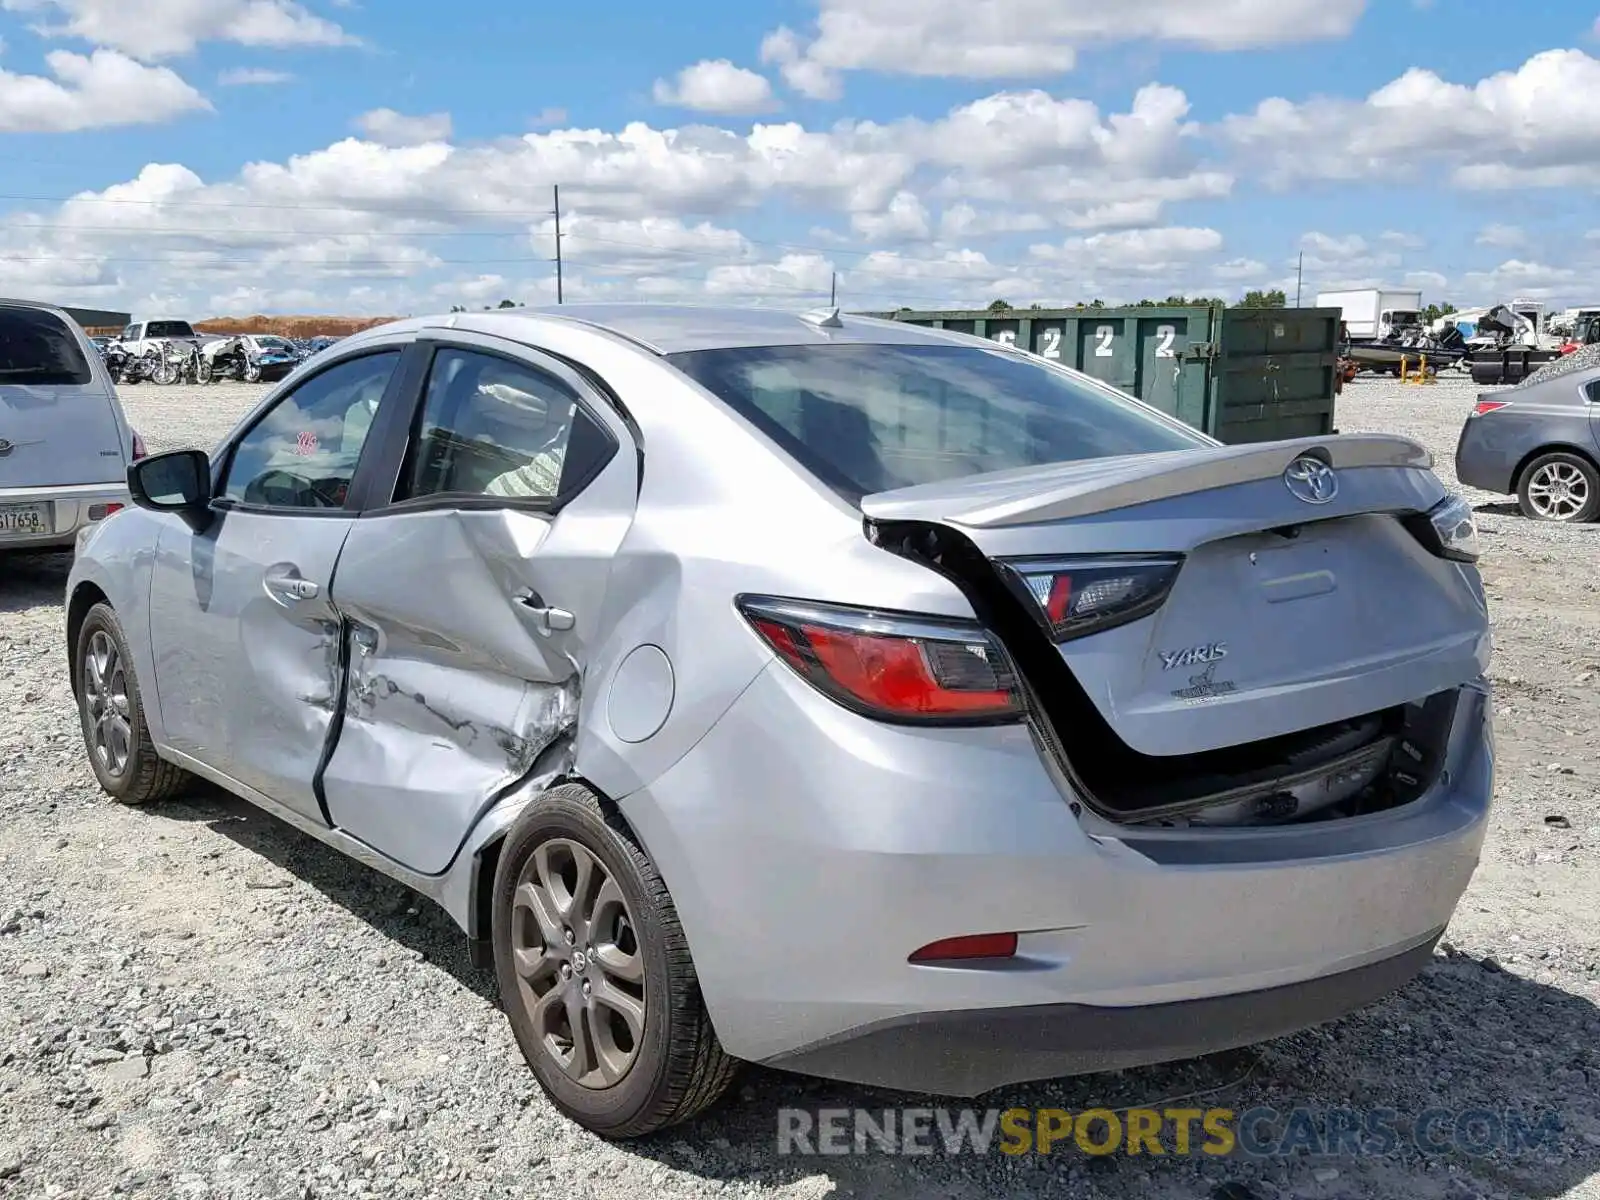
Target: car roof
[[676, 328]]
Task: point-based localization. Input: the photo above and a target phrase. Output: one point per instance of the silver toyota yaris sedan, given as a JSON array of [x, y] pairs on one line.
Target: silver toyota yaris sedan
[[840, 695]]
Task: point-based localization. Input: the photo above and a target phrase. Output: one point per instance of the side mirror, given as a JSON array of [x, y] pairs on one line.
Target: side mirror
[[176, 481]]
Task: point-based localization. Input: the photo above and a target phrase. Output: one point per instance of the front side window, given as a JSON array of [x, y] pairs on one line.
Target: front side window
[[303, 453], [493, 427], [870, 418], [37, 349]]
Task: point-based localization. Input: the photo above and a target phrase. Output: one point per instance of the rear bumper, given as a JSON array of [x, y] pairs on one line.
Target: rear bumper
[[809, 852], [1482, 461], [974, 1051], [67, 508]]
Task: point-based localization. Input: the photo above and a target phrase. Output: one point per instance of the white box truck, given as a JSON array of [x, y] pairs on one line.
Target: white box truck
[[1371, 314]]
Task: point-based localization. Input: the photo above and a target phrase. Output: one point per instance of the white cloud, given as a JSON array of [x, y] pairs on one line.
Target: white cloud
[[253, 77], [156, 29], [1529, 128], [717, 86], [1504, 236], [905, 219], [1014, 39], [782, 48], [1141, 251], [389, 128], [96, 91]]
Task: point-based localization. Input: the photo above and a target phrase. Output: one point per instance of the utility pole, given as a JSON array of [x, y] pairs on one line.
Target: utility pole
[[833, 290], [556, 188], [1299, 270]]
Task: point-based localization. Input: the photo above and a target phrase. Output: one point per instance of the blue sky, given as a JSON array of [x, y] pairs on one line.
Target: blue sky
[[201, 157]]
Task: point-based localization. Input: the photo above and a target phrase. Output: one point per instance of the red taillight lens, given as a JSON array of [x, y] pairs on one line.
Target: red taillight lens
[[99, 512], [973, 945], [891, 666], [138, 448], [1075, 597], [1488, 406]]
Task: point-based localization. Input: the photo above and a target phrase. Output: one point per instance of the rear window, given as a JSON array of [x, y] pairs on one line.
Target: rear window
[[868, 419], [169, 329], [37, 348]]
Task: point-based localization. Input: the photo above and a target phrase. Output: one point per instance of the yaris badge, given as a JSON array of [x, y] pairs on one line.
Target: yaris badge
[[1311, 480]]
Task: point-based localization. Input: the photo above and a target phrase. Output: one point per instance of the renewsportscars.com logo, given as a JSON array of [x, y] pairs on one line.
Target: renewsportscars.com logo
[[1259, 1132]]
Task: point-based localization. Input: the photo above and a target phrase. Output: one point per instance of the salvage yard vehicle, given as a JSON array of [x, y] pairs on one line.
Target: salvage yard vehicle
[[1539, 442], [850, 696], [65, 444]]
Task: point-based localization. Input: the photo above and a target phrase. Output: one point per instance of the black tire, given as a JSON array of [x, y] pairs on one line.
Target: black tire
[[1570, 466], [146, 776], [679, 1069]]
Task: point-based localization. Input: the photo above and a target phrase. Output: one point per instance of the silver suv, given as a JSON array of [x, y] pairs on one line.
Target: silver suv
[[65, 445]]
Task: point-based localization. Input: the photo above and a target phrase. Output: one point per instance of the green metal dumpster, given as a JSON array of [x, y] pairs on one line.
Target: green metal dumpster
[[1239, 374]]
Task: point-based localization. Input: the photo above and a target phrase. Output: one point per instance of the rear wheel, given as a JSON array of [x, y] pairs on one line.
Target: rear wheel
[[123, 757], [1560, 486], [595, 973]]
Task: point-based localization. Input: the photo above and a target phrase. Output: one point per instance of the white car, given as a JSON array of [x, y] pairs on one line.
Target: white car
[[65, 444]]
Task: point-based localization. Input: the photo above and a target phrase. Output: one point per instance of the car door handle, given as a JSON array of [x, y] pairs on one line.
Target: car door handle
[[549, 618], [291, 586]]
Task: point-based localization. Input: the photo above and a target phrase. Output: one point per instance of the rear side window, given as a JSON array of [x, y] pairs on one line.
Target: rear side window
[[37, 348], [495, 428], [170, 329], [867, 419]]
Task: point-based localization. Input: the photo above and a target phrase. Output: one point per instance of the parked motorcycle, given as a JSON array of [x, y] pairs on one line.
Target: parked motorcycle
[[230, 359], [128, 368]]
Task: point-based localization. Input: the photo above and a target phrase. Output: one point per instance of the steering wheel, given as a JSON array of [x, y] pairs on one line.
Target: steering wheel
[[299, 487]]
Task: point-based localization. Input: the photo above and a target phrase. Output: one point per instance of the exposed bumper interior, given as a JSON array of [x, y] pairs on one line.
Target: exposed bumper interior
[[1364, 764]]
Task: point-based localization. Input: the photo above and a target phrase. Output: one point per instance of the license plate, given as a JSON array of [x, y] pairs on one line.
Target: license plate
[[23, 518]]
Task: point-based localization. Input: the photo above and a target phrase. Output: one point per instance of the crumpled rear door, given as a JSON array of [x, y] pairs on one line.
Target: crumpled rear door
[[468, 627]]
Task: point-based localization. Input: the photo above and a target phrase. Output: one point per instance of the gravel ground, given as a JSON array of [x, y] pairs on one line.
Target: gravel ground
[[202, 1002]]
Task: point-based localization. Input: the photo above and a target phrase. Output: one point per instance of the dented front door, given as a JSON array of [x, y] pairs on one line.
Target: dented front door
[[247, 646], [472, 601]]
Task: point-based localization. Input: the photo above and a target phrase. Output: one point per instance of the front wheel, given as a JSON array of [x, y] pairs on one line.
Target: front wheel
[[595, 973], [252, 373], [1560, 486], [165, 374], [121, 754]]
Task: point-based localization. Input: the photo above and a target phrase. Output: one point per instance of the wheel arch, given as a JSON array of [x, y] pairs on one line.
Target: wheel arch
[[84, 597], [486, 863], [1533, 456]]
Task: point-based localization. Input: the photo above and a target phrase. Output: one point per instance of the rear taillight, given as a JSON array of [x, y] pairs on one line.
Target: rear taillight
[[1073, 597], [1488, 406], [1448, 529], [138, 447], [892, 666]]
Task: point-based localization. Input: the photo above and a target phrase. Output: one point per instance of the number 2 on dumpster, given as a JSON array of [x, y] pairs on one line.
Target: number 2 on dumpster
[[1102, 341]]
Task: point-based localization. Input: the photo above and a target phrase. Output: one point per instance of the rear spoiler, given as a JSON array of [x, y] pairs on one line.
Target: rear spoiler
[[1062, 491]]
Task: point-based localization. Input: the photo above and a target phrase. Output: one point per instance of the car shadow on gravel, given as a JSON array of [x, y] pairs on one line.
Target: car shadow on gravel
[[32, 580], [1466, 1036], [395, 911]]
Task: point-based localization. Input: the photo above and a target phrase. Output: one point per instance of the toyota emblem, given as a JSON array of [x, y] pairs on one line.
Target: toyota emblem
[[1311, 480], [6, 447]]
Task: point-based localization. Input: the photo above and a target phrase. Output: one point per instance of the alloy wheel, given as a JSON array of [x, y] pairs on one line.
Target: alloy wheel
[[1558, 491], [580, 972], [105, 703]]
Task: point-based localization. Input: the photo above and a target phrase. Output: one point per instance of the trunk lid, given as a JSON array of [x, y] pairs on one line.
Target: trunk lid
[[59, 421], [1285, 613]]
